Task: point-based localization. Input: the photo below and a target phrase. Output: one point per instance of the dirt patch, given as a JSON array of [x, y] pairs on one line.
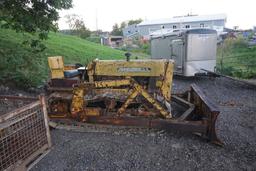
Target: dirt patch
[[7, 105]]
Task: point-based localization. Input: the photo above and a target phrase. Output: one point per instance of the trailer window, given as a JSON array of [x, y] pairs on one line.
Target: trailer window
[[187, 26], [174, 26]]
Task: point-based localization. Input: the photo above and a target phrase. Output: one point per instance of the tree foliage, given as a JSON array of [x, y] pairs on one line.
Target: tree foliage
[[117, 30], [32, 16], [77, 26], [123, 25], [137, 21]]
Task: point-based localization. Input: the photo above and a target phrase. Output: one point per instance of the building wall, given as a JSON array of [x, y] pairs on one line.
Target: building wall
[[218, 25], [130, 30]]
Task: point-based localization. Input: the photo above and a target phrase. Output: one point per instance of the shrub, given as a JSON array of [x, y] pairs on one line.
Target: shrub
[[146, 48], [236, 72], [236, 59], [94, 39], [239, 43]]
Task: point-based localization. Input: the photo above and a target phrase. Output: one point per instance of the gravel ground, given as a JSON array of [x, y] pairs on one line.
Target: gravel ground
[[158, 150]]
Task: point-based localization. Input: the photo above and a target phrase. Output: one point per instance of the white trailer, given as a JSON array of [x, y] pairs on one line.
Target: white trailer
[[192, 50]]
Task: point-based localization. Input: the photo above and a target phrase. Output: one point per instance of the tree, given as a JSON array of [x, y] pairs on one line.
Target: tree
[[71, 19], [32, 16], [123, 25], [77, 26], [116, 30], [137, 21]]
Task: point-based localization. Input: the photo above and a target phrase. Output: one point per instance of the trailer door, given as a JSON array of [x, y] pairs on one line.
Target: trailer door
[[177, 54], [160, 48]]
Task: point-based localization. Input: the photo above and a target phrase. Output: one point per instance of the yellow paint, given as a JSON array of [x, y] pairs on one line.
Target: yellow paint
[[151, 100], [146, 68], [138, 89], [77, 105], [56, 65], [110, 90], [128, 101], [167, 81], [162, 70], [110, 83], [69, 67], [92, 111]]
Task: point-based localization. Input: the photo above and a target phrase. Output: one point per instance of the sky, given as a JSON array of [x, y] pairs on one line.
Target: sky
[[240, 13]]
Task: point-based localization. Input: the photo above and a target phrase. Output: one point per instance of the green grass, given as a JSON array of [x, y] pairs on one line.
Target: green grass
[[237, 61], [75, 49], [24, 67]]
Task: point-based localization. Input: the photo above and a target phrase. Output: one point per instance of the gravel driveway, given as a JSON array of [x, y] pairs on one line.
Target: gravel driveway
[[158, 150]]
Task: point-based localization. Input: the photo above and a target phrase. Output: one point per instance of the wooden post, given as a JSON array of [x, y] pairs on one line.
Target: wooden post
[[46, 119]]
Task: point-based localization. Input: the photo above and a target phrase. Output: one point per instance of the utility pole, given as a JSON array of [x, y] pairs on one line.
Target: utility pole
[[97, 20]]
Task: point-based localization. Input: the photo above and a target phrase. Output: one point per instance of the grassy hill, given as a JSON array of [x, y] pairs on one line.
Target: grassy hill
[[237, 59], [24, 67]]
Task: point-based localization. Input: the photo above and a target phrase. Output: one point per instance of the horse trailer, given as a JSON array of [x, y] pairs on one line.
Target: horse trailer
[[193, 50]]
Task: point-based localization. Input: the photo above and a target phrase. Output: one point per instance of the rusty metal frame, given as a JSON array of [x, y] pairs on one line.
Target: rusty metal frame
[[209, 111], [197, 105], [20, 152], [199, 117], [138, 89], [71, 99], [79, 91], [190, 107]]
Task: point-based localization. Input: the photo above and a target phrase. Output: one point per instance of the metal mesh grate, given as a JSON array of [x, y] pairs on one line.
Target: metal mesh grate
[[22, 135]]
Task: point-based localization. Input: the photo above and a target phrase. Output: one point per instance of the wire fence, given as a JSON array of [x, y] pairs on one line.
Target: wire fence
[[237, 57], [24, 134], [238, 65]]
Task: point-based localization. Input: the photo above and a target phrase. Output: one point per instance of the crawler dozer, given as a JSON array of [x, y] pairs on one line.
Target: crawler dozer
[[128, 93]]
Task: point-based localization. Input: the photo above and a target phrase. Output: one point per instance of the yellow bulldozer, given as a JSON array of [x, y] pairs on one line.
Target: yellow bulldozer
[[128, 93]]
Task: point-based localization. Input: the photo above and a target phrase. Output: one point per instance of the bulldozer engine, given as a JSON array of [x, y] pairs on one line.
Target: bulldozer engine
[[128, 93]]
